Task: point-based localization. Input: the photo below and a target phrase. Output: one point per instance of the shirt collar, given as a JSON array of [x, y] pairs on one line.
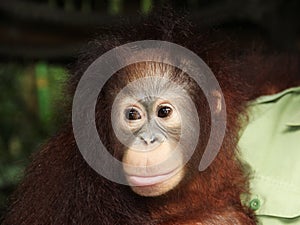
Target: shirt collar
[[294, 121]]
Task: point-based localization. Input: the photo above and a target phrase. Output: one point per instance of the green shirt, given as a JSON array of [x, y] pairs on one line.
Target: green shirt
[[270, 143]]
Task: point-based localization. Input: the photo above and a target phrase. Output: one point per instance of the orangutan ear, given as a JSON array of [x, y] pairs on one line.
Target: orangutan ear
[[218, 103]]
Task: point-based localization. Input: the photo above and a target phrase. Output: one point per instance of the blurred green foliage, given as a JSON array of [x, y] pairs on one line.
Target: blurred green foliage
[[28, 96]]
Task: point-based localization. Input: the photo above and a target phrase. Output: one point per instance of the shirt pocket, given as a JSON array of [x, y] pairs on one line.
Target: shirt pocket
[[274, 198]]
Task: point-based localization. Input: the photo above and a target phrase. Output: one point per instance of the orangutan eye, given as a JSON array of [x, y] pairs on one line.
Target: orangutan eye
[[132, 114], [164, 111]]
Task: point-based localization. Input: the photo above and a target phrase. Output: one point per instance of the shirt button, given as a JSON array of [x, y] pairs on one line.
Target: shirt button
[[255, 204]]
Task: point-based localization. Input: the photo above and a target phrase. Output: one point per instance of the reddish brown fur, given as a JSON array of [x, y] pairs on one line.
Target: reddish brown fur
[[60, 188]]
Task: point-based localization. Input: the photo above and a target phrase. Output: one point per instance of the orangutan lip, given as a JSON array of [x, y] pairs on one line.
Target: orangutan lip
[[135, 180]]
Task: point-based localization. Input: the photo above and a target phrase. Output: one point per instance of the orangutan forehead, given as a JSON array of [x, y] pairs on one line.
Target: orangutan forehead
[[150, 79], [154, 86]]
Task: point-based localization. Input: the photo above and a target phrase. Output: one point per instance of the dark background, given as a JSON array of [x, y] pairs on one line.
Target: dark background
[[40, 38]]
